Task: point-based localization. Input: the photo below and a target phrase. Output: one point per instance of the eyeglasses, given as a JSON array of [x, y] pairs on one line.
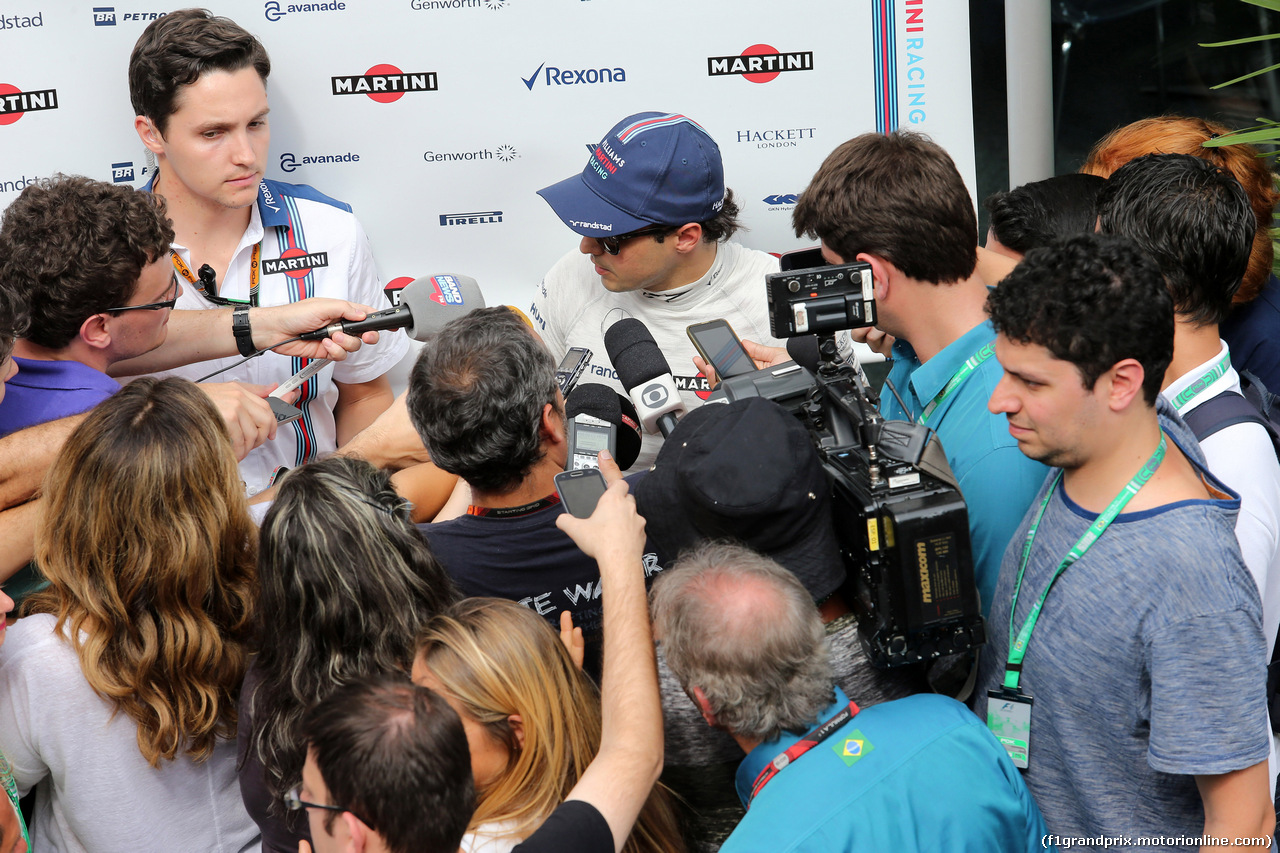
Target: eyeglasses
[[613, 245], [153, 306], [293, 802]]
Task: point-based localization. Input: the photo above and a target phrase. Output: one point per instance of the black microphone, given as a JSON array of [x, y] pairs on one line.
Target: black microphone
[[644, 372], [804, 352], [598, 418], [426, 305]]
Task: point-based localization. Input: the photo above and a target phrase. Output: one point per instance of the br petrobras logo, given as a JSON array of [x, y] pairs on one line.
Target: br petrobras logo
[[276, 10], [15, 103], [295, 263], [385, 83], [105, 16], [782, 201], [433, 5], [471, 218], [760, 63], [505, 153], [290, 162], [122, 172], [775, 137], [445, 290], [556, 76], [21, 22]]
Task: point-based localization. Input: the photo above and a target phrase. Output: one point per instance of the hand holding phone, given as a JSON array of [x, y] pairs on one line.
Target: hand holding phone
[[720, 347], [580, 490]]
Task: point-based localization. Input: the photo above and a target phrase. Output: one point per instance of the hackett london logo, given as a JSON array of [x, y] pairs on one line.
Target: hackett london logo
[[760, 63], [385, 83], [15, 103], [295, 263]]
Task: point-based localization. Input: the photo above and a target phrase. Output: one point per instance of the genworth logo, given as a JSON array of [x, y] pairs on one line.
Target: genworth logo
[[437, 5], [505, 153]]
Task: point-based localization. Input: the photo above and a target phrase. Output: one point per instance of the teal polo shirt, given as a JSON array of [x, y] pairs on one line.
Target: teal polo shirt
[[917, 774], [997, 481]]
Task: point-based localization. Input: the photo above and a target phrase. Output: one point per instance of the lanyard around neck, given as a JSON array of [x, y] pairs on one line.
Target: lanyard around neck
[[180, 266], [813, 738], [1018, 643], [957, 379], [1212, 375]]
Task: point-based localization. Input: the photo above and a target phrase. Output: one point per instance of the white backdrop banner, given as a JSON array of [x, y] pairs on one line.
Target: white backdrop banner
[[438, 119]]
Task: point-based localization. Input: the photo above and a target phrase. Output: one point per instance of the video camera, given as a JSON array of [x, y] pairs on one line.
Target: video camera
[[901, 521]]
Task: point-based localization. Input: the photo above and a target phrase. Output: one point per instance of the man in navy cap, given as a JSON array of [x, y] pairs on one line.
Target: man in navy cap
[[655, 219]]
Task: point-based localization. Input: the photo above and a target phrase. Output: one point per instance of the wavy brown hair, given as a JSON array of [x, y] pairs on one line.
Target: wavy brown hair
[[150, 555], [498, 658]]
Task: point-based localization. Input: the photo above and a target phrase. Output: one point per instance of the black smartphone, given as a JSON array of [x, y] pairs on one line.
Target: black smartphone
[[571, 367], [284, 412], [720, 347], [580, 490]]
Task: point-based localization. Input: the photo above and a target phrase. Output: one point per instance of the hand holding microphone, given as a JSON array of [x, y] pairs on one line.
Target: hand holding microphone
[[644, 372], [426, 305]]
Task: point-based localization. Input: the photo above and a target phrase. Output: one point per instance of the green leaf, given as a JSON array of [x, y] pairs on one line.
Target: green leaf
[[1246, 40], [1273, 5], [1252, 137], [1247, 76]]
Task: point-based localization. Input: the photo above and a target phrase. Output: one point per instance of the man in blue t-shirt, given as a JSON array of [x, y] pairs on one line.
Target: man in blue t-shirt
[[897, 202], [1125, 666], [917, 774]]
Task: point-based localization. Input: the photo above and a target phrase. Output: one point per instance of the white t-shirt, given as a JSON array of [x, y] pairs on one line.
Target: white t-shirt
[[571, 308], [96, 792], [332, 258]]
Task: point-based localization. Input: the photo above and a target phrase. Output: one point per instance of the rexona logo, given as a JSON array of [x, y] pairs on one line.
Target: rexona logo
[[105, 16], [570, 77], [15, 103], [471, 218], [385, 83], [760, 63], [289, 162], [295, 263], [432, 5], [275, 10], [781, 201], [505, 153], [445, 290], [21, 22]]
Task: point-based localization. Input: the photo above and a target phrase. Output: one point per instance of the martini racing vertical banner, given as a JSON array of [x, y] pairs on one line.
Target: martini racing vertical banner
[[437, 120]]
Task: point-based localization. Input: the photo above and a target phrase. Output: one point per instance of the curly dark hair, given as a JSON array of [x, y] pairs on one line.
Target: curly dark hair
[[1092, 300], [71, 247], [476, 395], [898, 196], [1193, 218], [175, 50], [1040, 212]]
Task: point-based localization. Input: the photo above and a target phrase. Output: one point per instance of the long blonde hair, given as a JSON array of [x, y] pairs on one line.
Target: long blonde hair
[[497, 659], [149, 551]]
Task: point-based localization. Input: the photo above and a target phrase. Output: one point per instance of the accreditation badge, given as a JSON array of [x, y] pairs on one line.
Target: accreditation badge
[[1009, 718]]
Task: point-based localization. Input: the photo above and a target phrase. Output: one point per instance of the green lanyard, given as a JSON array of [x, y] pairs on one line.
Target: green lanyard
[[1215, 373], [957, 379], [1018, 644]]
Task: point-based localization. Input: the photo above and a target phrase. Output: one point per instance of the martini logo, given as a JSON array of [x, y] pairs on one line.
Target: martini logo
[[385, 83], [569, 77], [393, 288], [289, 162], [445, 290], [432, 5], [21, 22], [759, 63], [471, 218], [295, 263], [275, 10], [697, 385], [15, 103]]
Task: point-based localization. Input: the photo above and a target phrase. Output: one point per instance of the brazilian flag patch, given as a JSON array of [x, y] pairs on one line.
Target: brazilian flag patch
[[852, 748]]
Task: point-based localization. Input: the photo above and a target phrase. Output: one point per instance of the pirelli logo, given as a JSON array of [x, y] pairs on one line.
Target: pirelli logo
[[308, 261]]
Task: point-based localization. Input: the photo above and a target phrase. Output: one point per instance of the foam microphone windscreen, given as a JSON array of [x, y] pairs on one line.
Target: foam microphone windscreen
[[437, 299], [804, 351], [634, 353], [601, 401]]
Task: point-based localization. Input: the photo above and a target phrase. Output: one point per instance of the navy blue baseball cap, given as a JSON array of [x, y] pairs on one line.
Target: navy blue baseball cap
[[650, 168]]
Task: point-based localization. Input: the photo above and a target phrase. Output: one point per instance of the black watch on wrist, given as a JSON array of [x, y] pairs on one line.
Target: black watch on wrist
[[240, 328]]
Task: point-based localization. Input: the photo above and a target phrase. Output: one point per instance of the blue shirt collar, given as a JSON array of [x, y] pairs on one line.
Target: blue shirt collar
[[932, 376], [757, 758]]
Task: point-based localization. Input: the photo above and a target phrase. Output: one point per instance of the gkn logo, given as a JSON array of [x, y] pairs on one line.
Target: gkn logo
[[760, 63], [274, 10], [385, 83], [568, 77], [789, 198]]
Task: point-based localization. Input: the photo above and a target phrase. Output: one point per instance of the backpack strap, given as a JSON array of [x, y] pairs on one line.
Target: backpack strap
[[1221, 411]]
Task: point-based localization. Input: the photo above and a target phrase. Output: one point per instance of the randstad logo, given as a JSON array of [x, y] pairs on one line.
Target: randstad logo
[[760, 63], [385, 83], [21, 22], [568, 77], [289, 162], [18, 184], [274, 10]]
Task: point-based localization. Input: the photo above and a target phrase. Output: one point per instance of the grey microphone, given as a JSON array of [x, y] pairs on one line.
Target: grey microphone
[[427, 304]]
